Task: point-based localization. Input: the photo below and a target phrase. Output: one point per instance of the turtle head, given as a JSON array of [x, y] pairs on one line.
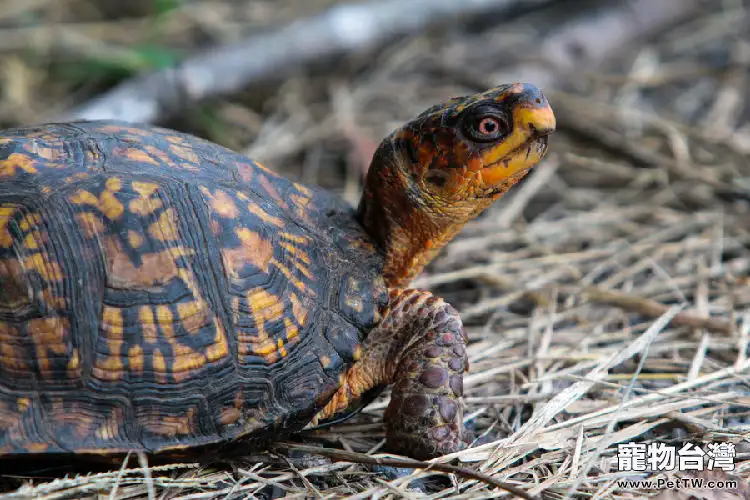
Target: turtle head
[[442, 169]]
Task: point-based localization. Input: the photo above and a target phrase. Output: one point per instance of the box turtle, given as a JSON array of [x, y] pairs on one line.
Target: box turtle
[[159, 292]]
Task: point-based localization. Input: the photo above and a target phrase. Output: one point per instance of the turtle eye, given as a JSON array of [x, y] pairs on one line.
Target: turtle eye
[[488, 128]]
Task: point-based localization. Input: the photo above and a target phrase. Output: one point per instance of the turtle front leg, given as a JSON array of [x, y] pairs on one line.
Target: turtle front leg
[[419, 347]]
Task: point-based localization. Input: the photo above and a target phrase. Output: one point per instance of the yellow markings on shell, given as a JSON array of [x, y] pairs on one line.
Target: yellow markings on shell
[[113, 184], [135, 359], [23, 404], [145, 206], [292, 278], [193, 315], [144, 189], [265, 169], [281, 349], [264, 216], [5, 214], [221, 203], [165, 227], [220, 347], [270, 189], [265, 306], [298, 310], [296, 238], [137, 155], [110, 367], [298, 254], [325, 361], [30, 221], [15, 162], [148, 322], [229, 416], [37, 447], [108, 430], [291, 329], [158, 153], [171, 425], [156, 268], [31, 241], [185, 153], [107, 202], [49, 271], [160, 366], [302, 189], [185, 361], [253, 249], [91, 224], [74, 364], [12, 355], [135, 240]]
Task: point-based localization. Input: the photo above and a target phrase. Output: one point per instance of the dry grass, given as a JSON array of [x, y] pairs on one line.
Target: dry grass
[[641, 215]]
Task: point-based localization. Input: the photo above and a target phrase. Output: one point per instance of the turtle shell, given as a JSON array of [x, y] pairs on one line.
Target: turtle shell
[[158, 292]]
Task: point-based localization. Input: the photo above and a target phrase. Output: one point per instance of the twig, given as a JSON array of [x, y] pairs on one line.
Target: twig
[[652, 309], [226, 69], [361, 458]]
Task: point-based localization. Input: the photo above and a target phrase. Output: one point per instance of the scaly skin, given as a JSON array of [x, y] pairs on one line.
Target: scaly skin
[[425, 182], [419, 346]]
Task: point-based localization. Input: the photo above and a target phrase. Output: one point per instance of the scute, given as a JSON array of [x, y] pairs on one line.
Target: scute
[[158, 291]]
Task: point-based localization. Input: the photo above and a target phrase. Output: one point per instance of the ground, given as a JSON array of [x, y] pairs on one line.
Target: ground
[[606, 299]]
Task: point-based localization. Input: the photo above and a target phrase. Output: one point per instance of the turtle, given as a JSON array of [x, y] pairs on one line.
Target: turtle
[[160, 293]]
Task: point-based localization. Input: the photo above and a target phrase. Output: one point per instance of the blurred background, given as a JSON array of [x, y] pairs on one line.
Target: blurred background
[[642, 204]]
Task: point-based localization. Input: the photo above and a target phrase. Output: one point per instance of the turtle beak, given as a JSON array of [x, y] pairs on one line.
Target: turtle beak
[[526, 146]]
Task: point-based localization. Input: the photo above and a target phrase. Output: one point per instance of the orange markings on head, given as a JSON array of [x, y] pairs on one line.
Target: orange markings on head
[[445, 167]]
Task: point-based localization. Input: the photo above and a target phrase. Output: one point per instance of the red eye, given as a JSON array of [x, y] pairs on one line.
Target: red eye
[[488, 128]]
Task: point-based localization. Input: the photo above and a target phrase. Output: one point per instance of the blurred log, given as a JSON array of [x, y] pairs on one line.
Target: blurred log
[[227, 69], [575, 35]]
